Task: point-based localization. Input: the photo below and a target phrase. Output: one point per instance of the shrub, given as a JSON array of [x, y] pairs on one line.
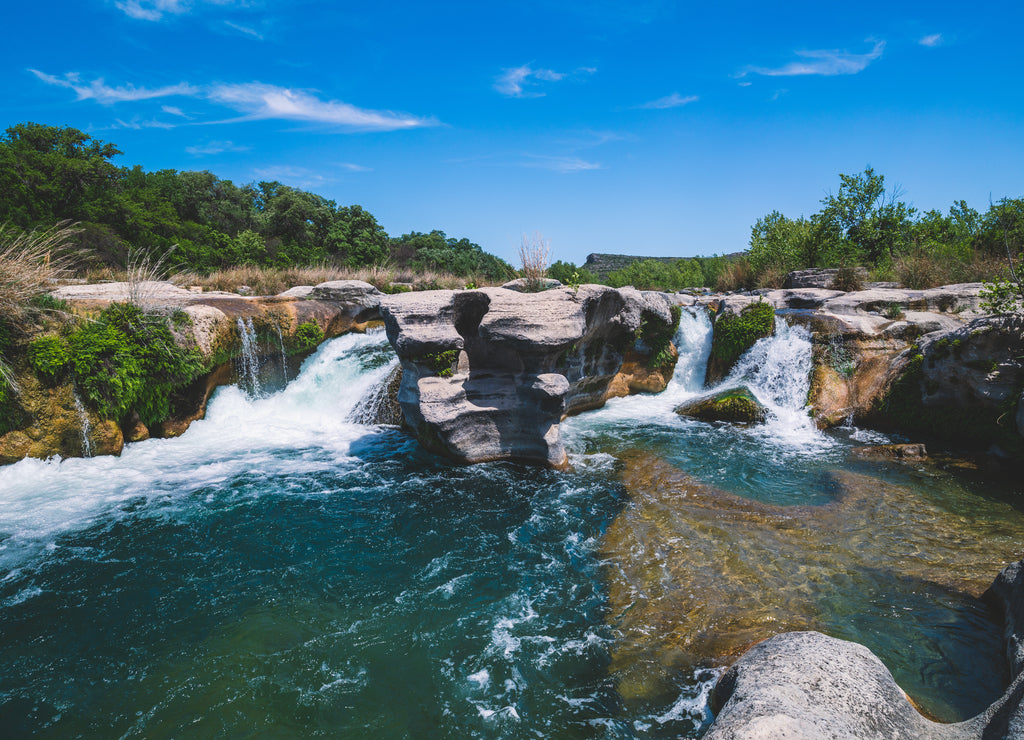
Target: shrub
[[49, 356], [307, 336], [124, 361]]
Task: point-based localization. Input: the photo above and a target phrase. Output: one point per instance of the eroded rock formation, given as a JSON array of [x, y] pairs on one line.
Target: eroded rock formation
[[489, 374]]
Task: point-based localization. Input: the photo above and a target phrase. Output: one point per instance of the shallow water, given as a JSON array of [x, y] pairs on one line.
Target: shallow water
[[281, 571]]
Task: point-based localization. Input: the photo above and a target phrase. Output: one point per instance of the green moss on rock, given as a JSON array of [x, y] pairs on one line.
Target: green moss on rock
[[734, 334], [737, 405]]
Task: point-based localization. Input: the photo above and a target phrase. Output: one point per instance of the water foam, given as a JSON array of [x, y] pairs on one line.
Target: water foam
[[40, 499]]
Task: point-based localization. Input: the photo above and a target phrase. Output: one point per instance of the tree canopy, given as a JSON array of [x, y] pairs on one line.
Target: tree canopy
[[50, 174]]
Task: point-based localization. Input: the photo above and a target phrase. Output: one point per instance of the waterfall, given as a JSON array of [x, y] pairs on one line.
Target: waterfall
[[380, 405], [83, 418], [248, 363], [284, 356], [777, 369]]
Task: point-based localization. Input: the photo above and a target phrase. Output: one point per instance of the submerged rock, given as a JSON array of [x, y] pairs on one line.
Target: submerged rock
[[489, 374], [735, 404], [895, 452]]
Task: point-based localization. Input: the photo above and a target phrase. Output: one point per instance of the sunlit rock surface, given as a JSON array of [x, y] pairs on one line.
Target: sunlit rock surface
[[489, 374]]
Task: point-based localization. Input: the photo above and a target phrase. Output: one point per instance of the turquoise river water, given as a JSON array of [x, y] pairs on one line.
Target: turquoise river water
[[280, 571]]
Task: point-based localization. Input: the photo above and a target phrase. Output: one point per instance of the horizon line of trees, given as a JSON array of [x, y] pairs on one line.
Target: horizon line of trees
[[52, 174]]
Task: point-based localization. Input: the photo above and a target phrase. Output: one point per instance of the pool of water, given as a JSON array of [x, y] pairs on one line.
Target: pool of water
[[283, 572]]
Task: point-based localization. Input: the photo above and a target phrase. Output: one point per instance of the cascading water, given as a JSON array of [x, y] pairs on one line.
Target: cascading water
[[249, 361], [279, 569], [83, 419], [284, 355]]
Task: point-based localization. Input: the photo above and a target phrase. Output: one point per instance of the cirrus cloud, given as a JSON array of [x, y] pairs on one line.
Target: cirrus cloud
[[825, 62], [520, 82], [675, 100], [253, 100]]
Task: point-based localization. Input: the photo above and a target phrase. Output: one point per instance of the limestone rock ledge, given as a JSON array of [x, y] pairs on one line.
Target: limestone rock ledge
[[806, 685], [489, 374]]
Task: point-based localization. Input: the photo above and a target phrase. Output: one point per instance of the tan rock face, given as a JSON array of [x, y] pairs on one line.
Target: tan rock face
[[57, 426]]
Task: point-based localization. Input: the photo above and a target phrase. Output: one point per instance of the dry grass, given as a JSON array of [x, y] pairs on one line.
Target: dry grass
[[736, 275], [533, 256], [30, 265], [271, 281], [919, 270]]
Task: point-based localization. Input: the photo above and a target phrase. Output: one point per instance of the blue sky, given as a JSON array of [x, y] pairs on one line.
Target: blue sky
[[650, 127]]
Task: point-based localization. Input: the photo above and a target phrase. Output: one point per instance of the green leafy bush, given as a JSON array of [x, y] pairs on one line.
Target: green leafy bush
[[307, 336], [124, 361], [49, 356]]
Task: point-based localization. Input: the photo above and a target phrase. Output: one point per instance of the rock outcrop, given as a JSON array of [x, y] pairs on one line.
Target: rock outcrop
[[737, 405], [806, 685], [489, 374], [818, 278]]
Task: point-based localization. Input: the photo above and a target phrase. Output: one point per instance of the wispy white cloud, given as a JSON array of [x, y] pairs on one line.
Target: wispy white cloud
[[825, 62], [151, 10], [257, 101], [299, 177], [564, 165], [779, 93], [155, 10], [253, 100], [244, 29], [102, 93], [745, 83], [934, 39], [353, 167], [215, 147], [520, 82], [140, 123], [675, 100]]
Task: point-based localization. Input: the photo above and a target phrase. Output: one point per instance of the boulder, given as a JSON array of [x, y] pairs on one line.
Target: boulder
[[489, 374], [735, 404], [817, 278], [299, 291], [806, 685], [522, 285], [358, 299], [961, 385]]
